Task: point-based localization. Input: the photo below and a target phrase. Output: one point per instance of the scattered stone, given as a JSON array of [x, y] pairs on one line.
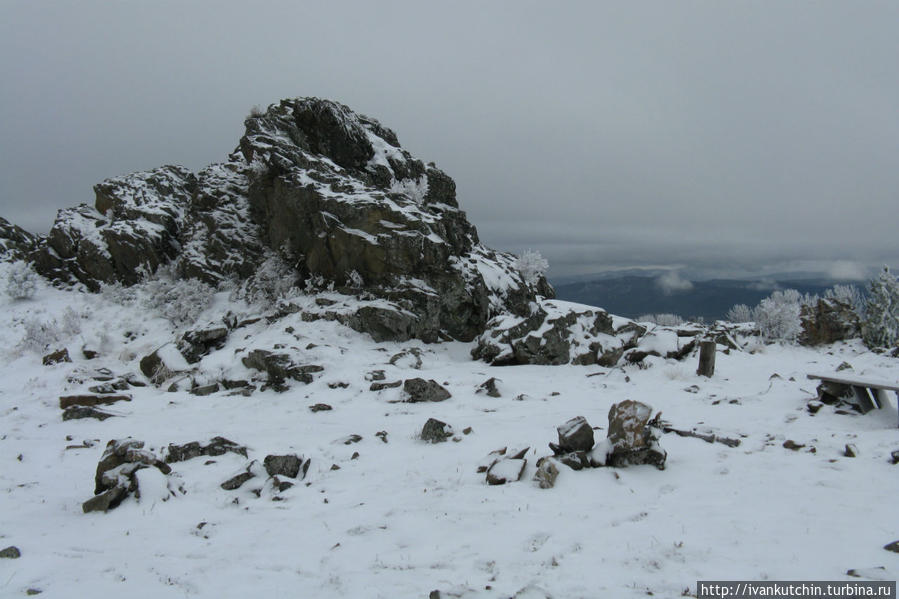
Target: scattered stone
[[355, 455], [163, 364], [197, 343], [215, 447], [375, 375], [576, 460], [338, 385], [57, 357], [894, 457], [89, 354], [414, 352], [633, 436], [203, 390], [320, 407], [832, 393], [506, 470], [851, 451], [281, 485], [382, 435], [335, 467], [420, 390], [793, 445], [435, 431], [90, 400], [894, 547], [11, 552], [31, 592], [546, 474], [489, 387], [115, 477], [467, 430], [80, 412], [575, 435], [692, 389], [106, 388], [283, 465], [844, 366], [814, 406], [235, 482], [350, 439], [382, 386], [280, 367]]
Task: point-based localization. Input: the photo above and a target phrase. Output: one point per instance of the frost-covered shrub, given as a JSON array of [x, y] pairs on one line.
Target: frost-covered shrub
[[777, 316], [180, 301], [273, 280], [739, 313], [665, 320], [531, 265], [21, 280], [848, 294], [880, 327], [42, 334]]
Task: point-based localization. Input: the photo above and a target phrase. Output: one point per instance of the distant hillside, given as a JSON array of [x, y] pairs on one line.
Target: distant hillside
[[633, 296]]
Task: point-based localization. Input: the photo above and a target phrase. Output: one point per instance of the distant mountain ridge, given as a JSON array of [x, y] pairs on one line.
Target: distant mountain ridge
[[631, 296]]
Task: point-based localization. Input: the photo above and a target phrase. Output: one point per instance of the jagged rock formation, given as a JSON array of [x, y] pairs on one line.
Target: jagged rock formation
[[15, 242], [329, 191], [829, 320]]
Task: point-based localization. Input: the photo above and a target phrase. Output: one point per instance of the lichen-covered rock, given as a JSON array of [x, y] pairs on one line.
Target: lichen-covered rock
[[829, 320], [547, 473], [632, 437]]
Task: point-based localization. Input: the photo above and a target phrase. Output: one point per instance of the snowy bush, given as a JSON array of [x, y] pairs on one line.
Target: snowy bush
[[21, 280], [42, 334], [739, 313], [531, 265], [273, 280], [848, 294], [665, 320], [880, 327], [777, 316], [180, 301]]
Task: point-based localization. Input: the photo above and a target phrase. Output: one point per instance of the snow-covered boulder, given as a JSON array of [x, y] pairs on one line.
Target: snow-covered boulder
[[557, 332], [15, 242]]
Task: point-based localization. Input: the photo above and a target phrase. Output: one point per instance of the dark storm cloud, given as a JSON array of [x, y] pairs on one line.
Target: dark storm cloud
[[727, 136]]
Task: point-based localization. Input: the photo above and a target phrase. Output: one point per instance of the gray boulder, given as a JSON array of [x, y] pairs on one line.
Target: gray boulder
[[434, 431], [575, 435], [419, 390]]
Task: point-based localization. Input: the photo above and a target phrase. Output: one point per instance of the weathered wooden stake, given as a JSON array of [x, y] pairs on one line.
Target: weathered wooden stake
[[706, 358]]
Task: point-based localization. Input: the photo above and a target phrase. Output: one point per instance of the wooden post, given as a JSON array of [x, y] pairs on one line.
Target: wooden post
[[707, 358]]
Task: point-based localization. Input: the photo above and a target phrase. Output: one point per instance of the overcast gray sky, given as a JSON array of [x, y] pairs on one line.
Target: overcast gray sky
[[731, 136]]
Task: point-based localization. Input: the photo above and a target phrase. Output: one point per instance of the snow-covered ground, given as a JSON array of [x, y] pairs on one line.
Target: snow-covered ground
[[407, 517]]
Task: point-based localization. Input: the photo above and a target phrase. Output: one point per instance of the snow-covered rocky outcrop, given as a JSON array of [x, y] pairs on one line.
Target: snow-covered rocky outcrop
[[329, 192]]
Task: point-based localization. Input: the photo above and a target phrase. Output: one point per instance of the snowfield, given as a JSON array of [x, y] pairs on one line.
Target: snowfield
[[406, 517]]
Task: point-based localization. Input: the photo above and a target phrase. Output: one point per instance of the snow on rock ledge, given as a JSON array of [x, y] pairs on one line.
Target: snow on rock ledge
[[327, 190]]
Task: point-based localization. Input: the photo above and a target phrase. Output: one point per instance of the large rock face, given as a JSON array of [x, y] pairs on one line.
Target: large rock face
[[329, 191]]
